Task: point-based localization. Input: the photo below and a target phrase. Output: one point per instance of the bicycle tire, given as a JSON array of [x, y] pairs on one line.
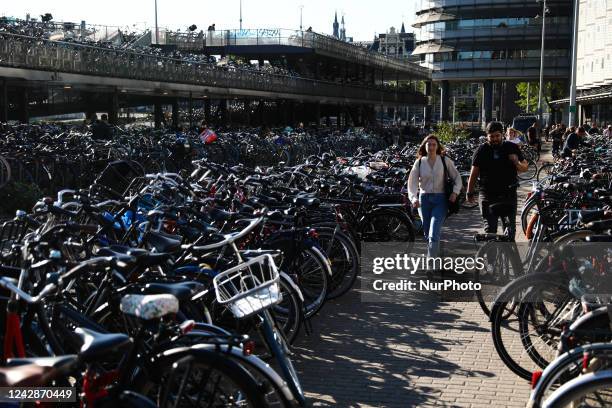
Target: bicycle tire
[[279, 349], [532, 170], [383, 226], [514, 263], [498, 311], [5, 172], [228, 367], [344, 260], [578, 388]]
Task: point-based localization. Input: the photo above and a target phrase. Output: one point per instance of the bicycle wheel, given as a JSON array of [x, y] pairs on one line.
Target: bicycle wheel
[[344, 260], [312, 272], [569, 366], [590, 390], [502, 265], [288, 313], [280, 350], [5, 172], [545, 171], [528, 212], [190, 377], [387, 226], [543, 295], [531, 172]]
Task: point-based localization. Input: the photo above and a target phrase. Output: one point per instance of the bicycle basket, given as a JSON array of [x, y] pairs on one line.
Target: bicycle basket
[[250, 287], [11, 232]]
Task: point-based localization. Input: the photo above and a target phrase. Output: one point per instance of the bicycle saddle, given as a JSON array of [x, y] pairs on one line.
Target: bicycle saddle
[[180, 290], [163, 242], [51, 362], [143, 257], [600, 226], [222, 215], [501, 209], [559, 179], [149, 307], [309, 202], [24, 376], [488, 236], [96, 345], [587, 216]]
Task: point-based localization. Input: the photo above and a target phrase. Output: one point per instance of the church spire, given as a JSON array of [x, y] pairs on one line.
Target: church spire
[[403, 30], [336, 26]]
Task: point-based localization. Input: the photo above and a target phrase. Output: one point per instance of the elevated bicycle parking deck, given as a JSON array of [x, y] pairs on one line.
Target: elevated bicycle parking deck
[[280, 41], [69, 64]]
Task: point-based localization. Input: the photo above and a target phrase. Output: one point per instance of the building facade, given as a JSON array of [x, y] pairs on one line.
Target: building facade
[[594, 63], [395, 44], [495, 43]]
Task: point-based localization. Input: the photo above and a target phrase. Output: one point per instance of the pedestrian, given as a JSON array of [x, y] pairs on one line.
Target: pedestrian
[[608, 131], [533, 139], [573, 141], [495, 166], [101, 129], [557, 139], [426, 189], [514, 136]]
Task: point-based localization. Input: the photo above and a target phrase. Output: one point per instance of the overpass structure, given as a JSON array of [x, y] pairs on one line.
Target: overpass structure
[[34, 71], [255, 43]]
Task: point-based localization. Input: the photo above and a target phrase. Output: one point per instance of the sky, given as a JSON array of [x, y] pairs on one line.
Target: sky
[[363, 19]]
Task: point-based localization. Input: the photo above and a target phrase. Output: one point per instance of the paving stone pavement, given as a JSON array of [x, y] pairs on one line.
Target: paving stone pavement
[[407, 354]]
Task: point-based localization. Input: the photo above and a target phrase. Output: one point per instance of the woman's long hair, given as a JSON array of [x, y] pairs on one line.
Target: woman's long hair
[[422, 152]]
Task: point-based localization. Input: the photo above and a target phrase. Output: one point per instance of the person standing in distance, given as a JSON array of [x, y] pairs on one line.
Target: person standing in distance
[[496, 164]]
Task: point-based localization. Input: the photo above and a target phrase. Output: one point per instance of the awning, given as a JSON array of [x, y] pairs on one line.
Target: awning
[[431, 17], [432, 48]]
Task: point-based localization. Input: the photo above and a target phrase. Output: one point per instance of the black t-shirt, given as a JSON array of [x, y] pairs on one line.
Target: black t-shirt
[[498, 173]]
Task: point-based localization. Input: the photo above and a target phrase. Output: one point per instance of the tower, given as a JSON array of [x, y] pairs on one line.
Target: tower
[[343, 31], [403, 30], [336, 26]]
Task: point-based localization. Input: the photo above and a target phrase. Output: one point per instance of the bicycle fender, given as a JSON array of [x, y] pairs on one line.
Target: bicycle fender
[[255, 362], [552, 372], [287, 278]]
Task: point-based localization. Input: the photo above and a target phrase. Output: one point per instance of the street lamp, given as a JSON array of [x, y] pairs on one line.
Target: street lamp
[[240, 15], [572, 107], [301, 11], [544, 11], [156, 28]]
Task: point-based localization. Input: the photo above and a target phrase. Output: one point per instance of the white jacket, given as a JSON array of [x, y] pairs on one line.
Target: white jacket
[[424, 179]]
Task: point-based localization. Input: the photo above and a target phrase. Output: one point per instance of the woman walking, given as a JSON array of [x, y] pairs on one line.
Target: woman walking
[[426, 185]]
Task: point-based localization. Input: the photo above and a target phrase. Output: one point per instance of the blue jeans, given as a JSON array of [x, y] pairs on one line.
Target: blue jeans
[[433, 210]]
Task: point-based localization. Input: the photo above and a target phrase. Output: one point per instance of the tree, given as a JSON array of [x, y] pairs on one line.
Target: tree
[[552, 91]]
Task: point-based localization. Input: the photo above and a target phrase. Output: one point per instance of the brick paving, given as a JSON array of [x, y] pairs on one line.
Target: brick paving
[[415, 353]]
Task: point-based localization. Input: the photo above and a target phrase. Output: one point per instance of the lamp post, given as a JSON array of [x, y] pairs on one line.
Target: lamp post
[[240, 15], [544, 10], [156, 28], [301, 13], [572, 108]]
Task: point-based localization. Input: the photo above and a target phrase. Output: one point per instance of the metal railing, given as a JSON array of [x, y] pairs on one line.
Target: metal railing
[[35, 53], [321, 44]]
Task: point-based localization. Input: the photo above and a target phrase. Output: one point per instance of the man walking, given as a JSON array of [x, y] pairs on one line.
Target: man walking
[[496, 164], [574, 141]]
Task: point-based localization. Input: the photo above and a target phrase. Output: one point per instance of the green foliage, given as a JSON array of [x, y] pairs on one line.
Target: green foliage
[[447, 132], [552, 91], [18, 196]]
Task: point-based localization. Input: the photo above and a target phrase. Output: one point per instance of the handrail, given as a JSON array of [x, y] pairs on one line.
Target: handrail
[[35, 53], [318, 42]]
